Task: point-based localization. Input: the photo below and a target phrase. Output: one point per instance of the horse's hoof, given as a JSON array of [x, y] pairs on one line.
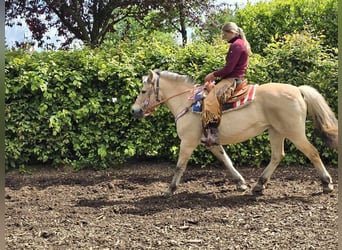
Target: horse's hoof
[[241, 187], [167, 194], [328, 188], [258, 190]]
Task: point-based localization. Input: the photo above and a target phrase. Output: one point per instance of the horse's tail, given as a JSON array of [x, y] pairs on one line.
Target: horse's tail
[[322, 115]]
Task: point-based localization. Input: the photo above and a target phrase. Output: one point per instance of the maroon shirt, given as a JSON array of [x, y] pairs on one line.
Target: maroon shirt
[[236, 60]]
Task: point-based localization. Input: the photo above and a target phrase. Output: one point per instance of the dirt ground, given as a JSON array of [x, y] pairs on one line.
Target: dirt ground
[[124, 209]]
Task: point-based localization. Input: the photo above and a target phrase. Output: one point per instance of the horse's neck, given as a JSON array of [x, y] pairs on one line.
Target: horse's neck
[[177, 95]]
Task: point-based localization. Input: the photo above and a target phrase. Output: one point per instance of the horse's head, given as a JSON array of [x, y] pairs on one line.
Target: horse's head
[[148, 97]]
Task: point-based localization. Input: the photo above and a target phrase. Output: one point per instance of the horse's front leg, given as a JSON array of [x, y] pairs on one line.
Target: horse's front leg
[[185, 151]]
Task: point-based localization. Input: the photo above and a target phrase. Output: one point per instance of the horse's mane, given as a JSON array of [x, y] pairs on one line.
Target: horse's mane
[[176, 77]]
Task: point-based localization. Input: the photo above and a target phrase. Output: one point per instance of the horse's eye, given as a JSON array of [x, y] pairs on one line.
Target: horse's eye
[[143, 92]]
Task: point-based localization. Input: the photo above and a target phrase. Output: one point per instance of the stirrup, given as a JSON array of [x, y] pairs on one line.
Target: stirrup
[[209, 142], [210, 139]]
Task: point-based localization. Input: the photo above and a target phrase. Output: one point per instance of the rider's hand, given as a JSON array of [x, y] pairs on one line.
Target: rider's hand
[[210, 77]]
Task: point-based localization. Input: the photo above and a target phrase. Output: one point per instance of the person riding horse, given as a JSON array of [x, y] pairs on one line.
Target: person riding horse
[[230, 76], [279, 108]]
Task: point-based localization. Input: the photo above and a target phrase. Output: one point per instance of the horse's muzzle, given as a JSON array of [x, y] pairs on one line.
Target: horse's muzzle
[[137, 111]]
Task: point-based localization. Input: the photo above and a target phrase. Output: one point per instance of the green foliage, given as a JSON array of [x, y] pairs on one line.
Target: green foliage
[[266, 19], [59, 107], [199, 58], [131, 29]]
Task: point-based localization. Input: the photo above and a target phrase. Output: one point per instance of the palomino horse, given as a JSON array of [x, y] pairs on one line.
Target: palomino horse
[[279, 108]]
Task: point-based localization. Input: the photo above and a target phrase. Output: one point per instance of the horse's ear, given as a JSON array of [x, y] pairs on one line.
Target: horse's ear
[[151, 76]]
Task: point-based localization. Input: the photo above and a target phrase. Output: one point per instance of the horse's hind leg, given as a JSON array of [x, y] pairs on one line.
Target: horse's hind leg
[[277, 154], [185, 151], [220, 153], [311, 152]]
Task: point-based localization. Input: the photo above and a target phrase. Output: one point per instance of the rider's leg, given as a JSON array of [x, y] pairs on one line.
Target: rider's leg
[[211, 114]]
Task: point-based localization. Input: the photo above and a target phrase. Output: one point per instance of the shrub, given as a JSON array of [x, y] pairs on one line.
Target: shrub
[[267, 19]]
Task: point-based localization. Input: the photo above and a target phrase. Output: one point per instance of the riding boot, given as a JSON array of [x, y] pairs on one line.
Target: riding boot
[[211, 136]]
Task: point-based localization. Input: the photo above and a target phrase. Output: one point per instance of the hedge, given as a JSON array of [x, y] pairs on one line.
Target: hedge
[[60, 109], [265, 20]]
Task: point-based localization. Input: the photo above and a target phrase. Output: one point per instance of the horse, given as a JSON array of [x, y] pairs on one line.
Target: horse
[[279, 108]]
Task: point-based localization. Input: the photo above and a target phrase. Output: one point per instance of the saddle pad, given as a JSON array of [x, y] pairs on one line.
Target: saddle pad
[[197, 106]]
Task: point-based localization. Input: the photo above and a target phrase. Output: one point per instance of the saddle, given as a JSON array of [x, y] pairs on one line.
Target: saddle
[[240, 92], [243, 94]]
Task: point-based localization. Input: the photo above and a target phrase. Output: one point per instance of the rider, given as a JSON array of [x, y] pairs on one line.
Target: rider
[[229, 77]]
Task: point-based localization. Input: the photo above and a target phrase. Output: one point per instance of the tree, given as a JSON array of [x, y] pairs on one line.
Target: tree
[[87, 20], [197, 14], [180, 14], [210, 30], [91, 20]]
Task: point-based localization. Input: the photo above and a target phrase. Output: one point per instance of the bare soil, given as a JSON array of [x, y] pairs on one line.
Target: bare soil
[[124, 209]]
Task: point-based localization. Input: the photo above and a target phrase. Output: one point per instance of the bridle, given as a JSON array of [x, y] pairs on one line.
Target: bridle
[[148, 110]]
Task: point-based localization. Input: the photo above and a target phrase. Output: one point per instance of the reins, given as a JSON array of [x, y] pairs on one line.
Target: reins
[[159, 102]]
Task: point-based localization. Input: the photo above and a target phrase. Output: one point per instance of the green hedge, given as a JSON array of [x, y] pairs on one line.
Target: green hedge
[[59, 107], [265, 20]]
